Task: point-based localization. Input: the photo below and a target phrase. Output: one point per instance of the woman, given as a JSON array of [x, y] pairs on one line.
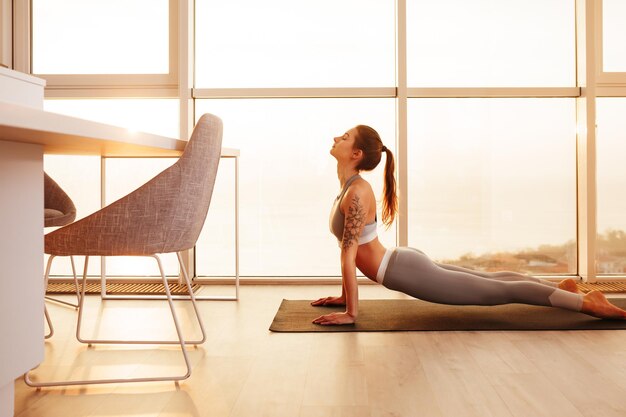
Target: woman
[[353, 221]]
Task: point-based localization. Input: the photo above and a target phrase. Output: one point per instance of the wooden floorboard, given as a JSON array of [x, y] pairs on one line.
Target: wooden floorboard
[[245, 370]]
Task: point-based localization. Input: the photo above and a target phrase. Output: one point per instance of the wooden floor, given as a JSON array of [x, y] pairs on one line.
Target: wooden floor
[[245, 370]]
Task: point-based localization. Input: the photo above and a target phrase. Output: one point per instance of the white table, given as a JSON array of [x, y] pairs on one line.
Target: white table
[[26, 133]]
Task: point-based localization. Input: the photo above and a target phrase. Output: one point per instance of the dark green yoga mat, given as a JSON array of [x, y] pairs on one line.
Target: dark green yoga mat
[[417, 315]]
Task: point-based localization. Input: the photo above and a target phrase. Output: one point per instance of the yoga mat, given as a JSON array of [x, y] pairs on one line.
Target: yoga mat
[[417, 315]]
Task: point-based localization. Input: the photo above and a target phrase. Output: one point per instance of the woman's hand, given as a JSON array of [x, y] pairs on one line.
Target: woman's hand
[[335, 319], [329, 301]]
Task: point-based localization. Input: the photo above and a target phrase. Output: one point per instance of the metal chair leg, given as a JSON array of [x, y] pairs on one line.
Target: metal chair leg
[[50, 327], [149, 342], [193, 300], [181, 342], [76, 286], [45, 309]]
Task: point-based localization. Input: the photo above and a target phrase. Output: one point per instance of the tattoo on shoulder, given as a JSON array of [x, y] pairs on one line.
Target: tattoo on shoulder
[[355, 220]]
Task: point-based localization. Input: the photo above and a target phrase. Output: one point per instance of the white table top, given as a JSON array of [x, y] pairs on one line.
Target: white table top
[[60, 134]]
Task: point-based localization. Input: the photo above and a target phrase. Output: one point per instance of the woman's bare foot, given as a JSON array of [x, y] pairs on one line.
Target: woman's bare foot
[[569, 284], [596, 304]]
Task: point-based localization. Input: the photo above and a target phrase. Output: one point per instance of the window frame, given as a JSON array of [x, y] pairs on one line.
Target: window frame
[[605, 80], [6, 34], [111, 85]]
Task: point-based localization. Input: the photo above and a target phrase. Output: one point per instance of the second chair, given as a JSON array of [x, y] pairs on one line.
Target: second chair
[[59, 210]]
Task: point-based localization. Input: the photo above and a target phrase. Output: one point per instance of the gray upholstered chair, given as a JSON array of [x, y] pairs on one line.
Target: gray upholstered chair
[[165, 215], [59, 210]]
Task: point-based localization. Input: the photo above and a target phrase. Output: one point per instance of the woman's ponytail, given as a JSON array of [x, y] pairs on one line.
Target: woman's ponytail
[[390, 198], [372, 146]]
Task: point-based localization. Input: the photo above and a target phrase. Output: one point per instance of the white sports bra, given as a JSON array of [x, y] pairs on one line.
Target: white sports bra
[[337, 218]]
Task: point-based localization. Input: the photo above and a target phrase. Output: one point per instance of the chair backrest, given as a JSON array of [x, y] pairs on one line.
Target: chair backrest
[[59, 208], [198, 169], [164, 215]]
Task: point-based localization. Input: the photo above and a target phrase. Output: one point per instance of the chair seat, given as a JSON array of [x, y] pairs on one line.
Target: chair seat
[[54, 217], [49, 213]]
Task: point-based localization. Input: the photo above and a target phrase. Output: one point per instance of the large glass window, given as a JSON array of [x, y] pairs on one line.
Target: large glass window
[[285, 43], [613, 35], [215, 249], [491, 43], [157, 116], [492, 183], [100, 36], [288, 182], [611, 182]]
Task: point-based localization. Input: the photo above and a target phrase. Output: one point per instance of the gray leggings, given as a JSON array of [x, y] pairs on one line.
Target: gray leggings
[[410, 271]]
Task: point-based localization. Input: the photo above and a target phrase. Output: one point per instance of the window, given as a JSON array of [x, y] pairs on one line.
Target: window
[[491, 43], [492, 183], [611, 180], [613, 35], [157, 116], [109, 42], [112, 43], [282, 43], [288, 181]]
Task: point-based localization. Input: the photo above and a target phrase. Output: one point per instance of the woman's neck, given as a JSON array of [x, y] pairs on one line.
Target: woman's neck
[[345, 173]]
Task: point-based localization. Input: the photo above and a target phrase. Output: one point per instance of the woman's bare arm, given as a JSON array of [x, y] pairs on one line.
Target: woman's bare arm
[[355, 211]]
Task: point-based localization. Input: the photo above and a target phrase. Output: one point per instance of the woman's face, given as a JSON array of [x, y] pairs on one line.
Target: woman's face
[[343, 146]]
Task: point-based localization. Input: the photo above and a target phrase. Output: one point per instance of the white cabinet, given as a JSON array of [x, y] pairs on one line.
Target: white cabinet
[[21, 244], [22, 89]]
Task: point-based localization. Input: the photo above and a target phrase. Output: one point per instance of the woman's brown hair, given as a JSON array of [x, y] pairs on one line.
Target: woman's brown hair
[[368, 141]]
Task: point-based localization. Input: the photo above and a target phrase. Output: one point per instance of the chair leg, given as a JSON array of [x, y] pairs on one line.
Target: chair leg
[[75, 281], [193, 300], [50, 327], [168, 296], [180, 342], [45, 309], [76, 286]]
